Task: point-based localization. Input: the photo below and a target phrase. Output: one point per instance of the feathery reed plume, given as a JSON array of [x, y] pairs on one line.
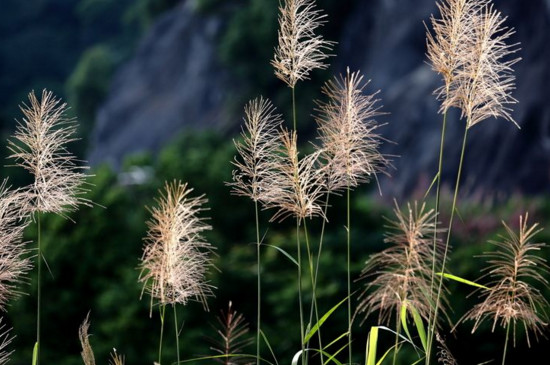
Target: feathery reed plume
[[295, 185], [39, 147], [117, 359], [232, 329], [511, 298], [257, 148], [176, 257], [5, 341], [444, 355], [87, 352], [347, 132], [402, 272], [483, 82], [13, 263], [299, 50], [452, 34]]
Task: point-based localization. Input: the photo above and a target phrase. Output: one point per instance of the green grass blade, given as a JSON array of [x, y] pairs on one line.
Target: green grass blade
[[333, 356], [318, 325], [431, 185], [269, 346], [371, 349], [419, 327], [35, 353], [385, 354], [283, 252], [462, 280], [404, 319], [337, 339], [417, 361]]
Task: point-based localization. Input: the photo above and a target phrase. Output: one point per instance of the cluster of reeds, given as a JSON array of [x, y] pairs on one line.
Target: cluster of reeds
[[403, 284], [468, 47]]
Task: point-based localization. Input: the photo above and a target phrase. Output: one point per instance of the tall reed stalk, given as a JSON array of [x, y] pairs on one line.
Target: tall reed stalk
[[39, 146]]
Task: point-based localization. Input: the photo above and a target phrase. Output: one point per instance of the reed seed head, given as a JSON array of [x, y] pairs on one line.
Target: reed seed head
[[299, 50], [87, 352], [402, 272], [232, 331], [117, 359], [176, 257], [511, 297], [14, 258], [348, 133], [295, 185], [39, 146], [259, 144], [5, 341], [469, 49]]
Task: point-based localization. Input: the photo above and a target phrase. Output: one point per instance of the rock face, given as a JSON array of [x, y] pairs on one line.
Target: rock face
[[386, 40], [172, 82], [175, 82]]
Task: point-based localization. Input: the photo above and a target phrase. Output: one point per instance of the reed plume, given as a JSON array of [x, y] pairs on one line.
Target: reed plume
[[232, 330], [259, 144], [511, 297], [402, 272], [469, 50], [176, 256], [299, 50], [14, 261], [117, 359], [5, 341], [296, 185], [348, 133], [452, 35], [87, 352], [39, 146], [485, 82]]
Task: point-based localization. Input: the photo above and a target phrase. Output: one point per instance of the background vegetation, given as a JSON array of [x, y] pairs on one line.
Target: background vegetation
[[93, 260]]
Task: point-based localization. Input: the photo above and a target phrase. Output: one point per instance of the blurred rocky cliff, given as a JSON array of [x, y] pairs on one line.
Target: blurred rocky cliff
[[176, 80]]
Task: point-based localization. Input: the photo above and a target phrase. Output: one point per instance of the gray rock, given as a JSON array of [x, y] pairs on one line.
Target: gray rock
[[175, 81], [386, 40], [172, 82]]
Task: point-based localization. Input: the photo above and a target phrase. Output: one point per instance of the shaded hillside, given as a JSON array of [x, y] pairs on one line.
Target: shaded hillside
[[179, 79]]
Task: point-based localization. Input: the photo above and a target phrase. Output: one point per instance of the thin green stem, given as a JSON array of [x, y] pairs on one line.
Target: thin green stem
[[162, 311], [506, 343], [294, 108], [177, 333], [397, 333], [298, 248], [258, 283], [348, 228], [321, 239], [39, 301], [436, 220], [314, 306], [446, 250]]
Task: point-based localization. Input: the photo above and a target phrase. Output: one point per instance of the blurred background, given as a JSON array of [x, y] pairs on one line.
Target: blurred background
[[158, 88]]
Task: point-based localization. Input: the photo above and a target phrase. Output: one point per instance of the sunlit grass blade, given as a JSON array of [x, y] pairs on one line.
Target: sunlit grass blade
[[322, 320], [404, 320], [337, 339], [431, 185], [462, 280], [292, 259], [331, 357], [371, 348], [419, 327], [35, 353]]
